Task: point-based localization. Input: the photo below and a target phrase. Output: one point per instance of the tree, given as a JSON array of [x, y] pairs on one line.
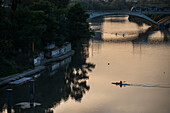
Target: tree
[[52, 25], [38, 23], [27, 26], [5, 42], [77, 23], [60, 3]]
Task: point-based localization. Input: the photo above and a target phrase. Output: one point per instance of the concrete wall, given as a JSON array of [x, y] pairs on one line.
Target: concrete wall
[[37, 60], [59, 51], [55, 52]]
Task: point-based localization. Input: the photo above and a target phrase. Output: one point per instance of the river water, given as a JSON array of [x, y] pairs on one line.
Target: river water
[[122, 50]]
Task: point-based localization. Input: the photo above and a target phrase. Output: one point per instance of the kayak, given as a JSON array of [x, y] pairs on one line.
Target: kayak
[[123, 84]]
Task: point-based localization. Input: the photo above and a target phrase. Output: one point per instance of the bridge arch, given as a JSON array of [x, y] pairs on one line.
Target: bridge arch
[[136, 14]]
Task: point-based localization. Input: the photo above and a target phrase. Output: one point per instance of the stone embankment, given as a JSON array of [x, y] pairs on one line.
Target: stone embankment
[[6, 80], [35, 70]]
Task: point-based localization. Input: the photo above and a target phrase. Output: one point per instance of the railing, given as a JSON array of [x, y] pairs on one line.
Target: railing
[[121, 11]]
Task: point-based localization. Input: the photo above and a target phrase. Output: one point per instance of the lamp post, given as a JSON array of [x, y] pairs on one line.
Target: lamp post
[[9, 100], [32, 93]]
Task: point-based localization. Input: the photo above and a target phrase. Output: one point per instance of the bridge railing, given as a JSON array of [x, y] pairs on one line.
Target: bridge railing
[[138, 14], [126, 11]]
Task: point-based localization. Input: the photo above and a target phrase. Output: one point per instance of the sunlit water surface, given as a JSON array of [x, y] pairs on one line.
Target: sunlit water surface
[[121, 50]]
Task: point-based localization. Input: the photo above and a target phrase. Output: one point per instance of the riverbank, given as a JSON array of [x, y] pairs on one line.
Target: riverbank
[[35, 70], [6, 80]]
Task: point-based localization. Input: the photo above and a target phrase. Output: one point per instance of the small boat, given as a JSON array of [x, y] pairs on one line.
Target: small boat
[[120, 84], [117, 83]]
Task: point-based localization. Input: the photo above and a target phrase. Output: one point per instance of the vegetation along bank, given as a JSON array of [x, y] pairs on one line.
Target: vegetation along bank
[[28, 27]]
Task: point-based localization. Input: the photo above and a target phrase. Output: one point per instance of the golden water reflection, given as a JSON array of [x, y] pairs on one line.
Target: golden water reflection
[[136, 61]]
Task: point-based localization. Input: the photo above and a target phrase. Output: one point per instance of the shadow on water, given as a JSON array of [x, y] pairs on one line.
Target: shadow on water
[[143, 37], [55, 85], [116, 20], [117, 16]]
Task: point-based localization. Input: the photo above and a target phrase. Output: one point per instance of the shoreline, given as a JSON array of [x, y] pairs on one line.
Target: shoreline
[[37, 69]]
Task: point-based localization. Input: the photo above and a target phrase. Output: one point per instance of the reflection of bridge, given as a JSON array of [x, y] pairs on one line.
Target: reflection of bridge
[[142, 15], [142, 37]]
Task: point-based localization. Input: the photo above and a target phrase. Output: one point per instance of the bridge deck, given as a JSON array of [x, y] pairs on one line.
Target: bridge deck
[[94, 14]]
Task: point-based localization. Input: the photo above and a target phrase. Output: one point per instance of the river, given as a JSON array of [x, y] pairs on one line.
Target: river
[[122, 50]]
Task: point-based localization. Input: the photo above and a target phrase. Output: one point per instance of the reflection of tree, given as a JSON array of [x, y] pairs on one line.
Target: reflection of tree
[[77, 75], [96, 24], [68, 82], [2, 99]]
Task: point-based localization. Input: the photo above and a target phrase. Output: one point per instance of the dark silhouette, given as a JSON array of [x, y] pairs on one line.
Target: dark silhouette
[[120, 84], [67, 82]]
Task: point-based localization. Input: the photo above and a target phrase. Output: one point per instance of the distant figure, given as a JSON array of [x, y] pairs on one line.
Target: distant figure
[[108, 63], [116, 34], [123, 35], [120, 83]]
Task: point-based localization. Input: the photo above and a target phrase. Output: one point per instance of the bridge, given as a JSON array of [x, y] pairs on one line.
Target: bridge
[[94, 14]]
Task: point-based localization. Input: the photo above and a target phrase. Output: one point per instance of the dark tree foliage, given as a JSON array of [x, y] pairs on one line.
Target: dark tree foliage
[[49, 35], [33, 24], [77, 23], [60, 3], [19, 29]]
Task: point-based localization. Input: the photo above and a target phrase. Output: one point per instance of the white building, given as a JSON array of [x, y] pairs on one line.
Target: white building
[[53, 51]]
